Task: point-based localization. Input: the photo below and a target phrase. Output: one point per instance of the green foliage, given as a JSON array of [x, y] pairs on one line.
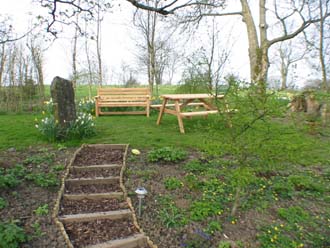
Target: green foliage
[[11, 177], [43, 179], [201, 209], [169, 214], [3, 203], [86, 105], [37, 230], [172, 183], [42, 210], [82, 127], [59, 167], [166, 154], [46, 158], [195, 166], [11, 235], [212, 227], [283, 187], [192, 181], [305, 183], [293, 214]]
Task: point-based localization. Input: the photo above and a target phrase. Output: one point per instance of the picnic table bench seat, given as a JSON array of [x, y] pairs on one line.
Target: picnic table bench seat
[[122, 97]]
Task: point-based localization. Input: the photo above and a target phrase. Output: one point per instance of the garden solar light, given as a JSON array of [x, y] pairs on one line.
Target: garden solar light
[[141, 192]]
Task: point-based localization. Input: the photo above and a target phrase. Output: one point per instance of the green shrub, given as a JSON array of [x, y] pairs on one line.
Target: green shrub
[[3, 203], [173, 183], [166, 154], [11, 235], [43, 179]]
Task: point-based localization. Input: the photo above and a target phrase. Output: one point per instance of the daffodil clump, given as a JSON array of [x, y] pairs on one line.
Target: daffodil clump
[[86, 105], [83, 126]]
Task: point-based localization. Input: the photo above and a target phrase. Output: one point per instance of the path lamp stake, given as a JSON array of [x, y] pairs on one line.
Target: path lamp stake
[[141, 192]]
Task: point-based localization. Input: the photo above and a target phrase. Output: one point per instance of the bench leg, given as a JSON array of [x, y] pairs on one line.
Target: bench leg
[[161, 111], [178, 111], [96, 110], [148, 110]]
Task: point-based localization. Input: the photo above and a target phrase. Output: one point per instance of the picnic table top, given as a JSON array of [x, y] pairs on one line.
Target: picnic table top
[[190, 96]]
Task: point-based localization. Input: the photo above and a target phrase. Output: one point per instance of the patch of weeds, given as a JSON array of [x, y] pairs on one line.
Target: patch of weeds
[[305, 183], [172, 183], [201, 209], [169, 214], [3, 203], [11, 177], [11, 235], [59, 167], [297, 228], [293, 214], [37, 230], [145, 174], [197, 239], [192, 182], [283, 187], [194, 166], [38, 159], [212, 227], [43, 179], [276, 236], [166, 154], [42, 210]]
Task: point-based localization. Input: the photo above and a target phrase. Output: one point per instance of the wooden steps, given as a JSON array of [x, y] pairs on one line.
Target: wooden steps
[[122, 211]]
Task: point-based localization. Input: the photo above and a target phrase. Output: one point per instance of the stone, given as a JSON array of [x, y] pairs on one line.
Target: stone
[[62, 93]]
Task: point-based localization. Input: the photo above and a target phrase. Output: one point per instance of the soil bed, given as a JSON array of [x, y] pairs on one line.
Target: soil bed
[[91, 206], [93, 232], [95, 173], [92, 188], [98, 156]]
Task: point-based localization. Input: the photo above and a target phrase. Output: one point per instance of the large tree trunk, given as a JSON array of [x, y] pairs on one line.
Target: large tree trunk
[[258, 53]]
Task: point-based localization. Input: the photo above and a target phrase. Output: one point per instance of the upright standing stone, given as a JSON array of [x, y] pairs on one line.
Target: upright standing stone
[[63, 96]]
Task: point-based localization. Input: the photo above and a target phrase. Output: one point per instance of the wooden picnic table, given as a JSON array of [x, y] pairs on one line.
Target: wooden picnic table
[[182, 100]]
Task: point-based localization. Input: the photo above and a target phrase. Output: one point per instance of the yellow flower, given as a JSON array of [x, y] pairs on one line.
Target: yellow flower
[[233, 222], [136, 152], [275, 228], [43, 112]]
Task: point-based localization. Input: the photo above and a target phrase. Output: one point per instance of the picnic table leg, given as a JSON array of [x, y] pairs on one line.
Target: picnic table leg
[[178, 114], [161, 111]]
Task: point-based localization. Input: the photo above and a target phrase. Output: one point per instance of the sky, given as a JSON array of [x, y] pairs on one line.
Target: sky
[[118, 45]]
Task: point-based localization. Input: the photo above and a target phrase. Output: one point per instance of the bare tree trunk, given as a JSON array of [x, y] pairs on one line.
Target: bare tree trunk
[[2, 62], [98, 46], [321, 48], [74, 60], [90, 76]]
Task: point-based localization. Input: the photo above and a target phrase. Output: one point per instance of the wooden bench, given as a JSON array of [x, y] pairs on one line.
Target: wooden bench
[[122, 97]]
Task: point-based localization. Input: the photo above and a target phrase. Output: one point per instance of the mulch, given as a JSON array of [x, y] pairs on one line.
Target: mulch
[[93, 232], [95, 173], [98, 156], [91, 206], [92, 188]]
